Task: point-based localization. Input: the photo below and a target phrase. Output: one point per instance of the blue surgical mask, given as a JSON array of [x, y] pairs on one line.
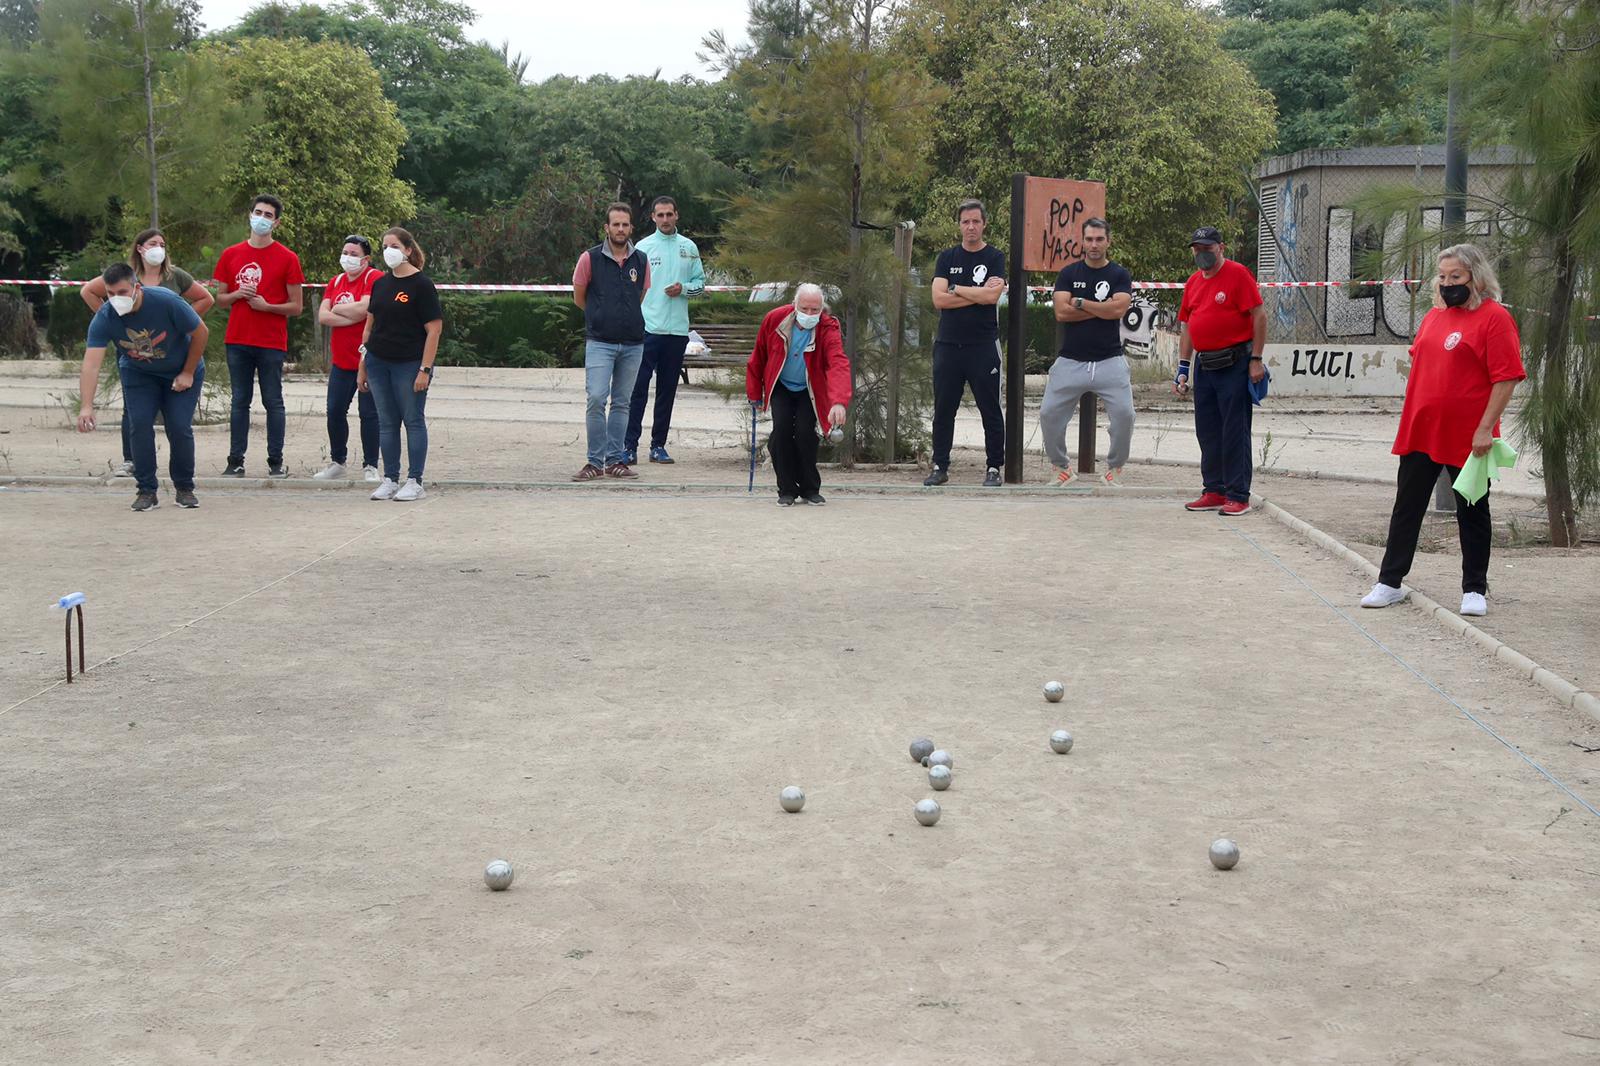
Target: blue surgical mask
[[805, 321], [260, 225]]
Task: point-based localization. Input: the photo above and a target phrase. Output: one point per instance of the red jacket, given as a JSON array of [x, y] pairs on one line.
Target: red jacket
[[827, 367]]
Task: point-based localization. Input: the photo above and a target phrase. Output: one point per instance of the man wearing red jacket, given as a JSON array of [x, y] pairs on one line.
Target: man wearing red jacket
[[799, 371]]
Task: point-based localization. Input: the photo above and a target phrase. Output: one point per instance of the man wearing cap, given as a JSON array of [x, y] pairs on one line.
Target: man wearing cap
[[1224, 323]]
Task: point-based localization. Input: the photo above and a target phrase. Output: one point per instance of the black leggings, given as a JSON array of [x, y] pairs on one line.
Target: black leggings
[[1413, 490]]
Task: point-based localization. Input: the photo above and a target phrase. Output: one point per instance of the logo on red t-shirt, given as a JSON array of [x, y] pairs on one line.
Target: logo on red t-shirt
[[1451, 341], [1222, 297], [249, 274], [344, 298]]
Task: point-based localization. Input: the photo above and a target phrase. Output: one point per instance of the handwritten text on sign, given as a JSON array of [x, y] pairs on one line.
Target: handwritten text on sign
[[1054, 211]]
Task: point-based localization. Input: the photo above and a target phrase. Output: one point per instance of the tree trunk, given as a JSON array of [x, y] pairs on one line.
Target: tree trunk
[[1556, 384], [149, 115]]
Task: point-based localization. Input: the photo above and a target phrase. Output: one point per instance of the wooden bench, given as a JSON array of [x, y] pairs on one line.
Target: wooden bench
[[729, 345]]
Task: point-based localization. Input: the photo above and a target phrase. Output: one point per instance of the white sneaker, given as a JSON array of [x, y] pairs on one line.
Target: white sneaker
[[1112, 479], [370, 473], [124, 469], [386, 490], [1383, 596], [334, 470], [1065, 476], [1473, 603], [411, 490]]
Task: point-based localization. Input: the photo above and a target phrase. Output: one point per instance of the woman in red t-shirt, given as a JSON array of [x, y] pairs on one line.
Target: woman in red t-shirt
[[1465, 362]]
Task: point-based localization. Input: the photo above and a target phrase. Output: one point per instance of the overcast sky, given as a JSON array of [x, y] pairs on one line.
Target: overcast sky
[[582, 38]]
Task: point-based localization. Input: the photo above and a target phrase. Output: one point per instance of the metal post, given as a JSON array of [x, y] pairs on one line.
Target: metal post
[[68, 634], [1017, 326], [1455, 198], [81, 667], [903, 234]]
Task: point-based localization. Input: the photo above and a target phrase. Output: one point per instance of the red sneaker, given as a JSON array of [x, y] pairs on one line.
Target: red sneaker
[[1208, 501], [1236, 507]]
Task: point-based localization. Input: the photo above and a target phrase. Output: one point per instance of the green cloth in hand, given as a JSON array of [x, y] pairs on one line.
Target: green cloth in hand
[[1473, 481]]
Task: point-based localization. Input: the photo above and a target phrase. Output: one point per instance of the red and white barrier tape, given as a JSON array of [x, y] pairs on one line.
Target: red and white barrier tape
[[57, 283]]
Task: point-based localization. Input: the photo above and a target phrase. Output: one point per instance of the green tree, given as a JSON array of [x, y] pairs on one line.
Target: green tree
[[327, 146], [1534, 72], [856, 117], [458, 99], [1343, 72], [125, 107], [1134, 93]]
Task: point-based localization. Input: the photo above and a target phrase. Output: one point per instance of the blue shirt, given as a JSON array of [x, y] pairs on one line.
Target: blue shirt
[[793, 374], [154, 337]]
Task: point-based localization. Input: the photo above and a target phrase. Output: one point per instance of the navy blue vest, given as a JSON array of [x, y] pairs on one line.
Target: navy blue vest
[[611, 310]]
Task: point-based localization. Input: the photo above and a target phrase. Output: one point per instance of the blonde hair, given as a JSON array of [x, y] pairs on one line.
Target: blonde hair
[[1485, 283]]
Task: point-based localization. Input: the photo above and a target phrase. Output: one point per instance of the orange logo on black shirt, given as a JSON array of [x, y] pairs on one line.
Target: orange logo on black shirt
[[401, 298]]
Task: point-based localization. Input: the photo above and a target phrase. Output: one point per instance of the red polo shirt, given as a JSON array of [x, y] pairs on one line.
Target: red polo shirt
[[1457, 358], [1218, 308]]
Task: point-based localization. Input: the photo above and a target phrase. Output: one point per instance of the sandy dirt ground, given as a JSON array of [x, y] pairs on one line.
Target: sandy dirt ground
[[254, 833]]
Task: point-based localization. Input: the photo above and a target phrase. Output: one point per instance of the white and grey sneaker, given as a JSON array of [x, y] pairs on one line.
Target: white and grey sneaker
[[370, 475], [411, 490], [1383, 596], [333, 471], [123, 469], [386, 490], [1473, 603]]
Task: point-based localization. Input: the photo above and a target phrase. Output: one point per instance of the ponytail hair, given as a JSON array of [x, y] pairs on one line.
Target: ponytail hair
[[414, 253]]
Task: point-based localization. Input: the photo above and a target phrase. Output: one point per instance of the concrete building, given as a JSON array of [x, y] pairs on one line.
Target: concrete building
[[1335, 340]]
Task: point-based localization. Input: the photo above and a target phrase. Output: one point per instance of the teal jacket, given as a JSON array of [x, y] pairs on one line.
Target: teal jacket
[[673, 259]]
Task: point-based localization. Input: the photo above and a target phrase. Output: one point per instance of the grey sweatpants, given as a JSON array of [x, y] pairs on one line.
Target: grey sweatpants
[[1069, 380]]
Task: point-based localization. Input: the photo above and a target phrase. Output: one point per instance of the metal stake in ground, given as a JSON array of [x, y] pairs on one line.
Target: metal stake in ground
[[70, 604], [752, 487]]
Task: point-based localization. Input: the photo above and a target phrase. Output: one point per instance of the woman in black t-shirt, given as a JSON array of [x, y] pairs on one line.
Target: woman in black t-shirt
[[397, 353]]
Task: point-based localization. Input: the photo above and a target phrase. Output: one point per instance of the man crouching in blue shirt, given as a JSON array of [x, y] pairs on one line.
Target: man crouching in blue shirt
[[159, 342]]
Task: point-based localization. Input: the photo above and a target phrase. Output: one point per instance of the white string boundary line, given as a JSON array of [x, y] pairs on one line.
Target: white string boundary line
[[193, 621], [1425, 679]]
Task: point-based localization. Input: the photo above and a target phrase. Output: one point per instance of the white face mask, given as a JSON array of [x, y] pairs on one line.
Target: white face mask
[[350, 263], [121, 304], [394, 257], [805, 321], [155, 255]]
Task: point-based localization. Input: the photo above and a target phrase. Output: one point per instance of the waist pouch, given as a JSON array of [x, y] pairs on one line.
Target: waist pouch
[[1222, 358]]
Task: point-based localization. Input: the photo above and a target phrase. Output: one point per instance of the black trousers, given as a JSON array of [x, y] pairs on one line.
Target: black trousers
[[1413, 491], [955, 367], [794, 442]]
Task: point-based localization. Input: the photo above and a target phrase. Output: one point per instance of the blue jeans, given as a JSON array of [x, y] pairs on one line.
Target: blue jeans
[[143, 395], [393, 388], [1222, 413], [341, 387], [609, 373], [245, 363], [663, 357]]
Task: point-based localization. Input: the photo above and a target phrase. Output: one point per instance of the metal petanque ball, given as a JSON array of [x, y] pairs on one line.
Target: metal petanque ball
[[836, 434], [927, 811], [498, 875], [792, 799], [1224, 854], [940, 758], [939, 777], [1054, 690], [1061, 742], [921, 748]]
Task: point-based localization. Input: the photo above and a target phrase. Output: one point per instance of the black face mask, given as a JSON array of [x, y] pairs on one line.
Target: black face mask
[[1205, 260], [1455, 295]]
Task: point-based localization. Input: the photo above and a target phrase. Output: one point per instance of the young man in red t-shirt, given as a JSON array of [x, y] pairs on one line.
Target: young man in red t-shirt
[[260, 285], [344, 311], [1224, 331]]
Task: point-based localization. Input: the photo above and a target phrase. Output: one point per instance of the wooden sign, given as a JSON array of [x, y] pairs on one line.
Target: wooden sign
[[1054, 213]]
